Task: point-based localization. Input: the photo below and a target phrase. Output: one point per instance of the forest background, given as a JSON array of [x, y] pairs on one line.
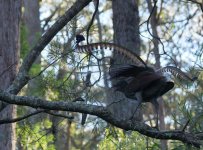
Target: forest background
[[53, 97]]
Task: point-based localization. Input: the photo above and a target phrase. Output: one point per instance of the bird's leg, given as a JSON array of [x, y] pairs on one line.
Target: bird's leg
[[156, 109], [138, 96]]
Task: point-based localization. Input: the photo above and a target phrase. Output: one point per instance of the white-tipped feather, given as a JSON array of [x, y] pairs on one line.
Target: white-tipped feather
[[104, 46], [176, 73]]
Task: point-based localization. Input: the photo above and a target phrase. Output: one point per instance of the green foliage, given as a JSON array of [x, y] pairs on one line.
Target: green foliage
[[35, 136], [35, 69], [175, 145], [117, 139]]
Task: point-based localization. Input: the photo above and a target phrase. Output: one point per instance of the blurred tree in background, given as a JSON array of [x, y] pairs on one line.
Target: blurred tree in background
[[161, 32]]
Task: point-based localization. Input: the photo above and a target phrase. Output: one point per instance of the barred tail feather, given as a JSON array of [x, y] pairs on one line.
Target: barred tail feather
[[176, 72], [118, 49]]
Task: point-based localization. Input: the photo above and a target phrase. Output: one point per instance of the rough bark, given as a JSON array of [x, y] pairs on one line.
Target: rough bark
[[32, 21], [9, 58], [126, 24], [126, 33]]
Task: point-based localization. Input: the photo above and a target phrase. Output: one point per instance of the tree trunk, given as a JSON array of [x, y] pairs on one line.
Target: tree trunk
[[31, 21], [9, 57], [126, 24], [54, 129], [68, 142], [126, 33]]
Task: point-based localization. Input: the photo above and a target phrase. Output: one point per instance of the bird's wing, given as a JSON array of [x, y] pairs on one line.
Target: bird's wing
[[143, 81], [127, 71], [168, 86]]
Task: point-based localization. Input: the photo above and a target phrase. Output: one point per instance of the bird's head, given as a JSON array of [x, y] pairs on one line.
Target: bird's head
[[79, 38]]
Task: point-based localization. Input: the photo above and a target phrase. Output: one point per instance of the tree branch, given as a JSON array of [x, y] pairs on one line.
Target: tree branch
[[6, 121], [92, 20], [104, 113], [60, 115]]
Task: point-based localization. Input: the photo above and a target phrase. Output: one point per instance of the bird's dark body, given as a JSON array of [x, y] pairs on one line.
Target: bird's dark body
[[141, 79], [152, 86]]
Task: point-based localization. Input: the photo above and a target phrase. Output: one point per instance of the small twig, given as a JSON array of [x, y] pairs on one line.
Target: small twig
[[148, 20], [47, 20], [92, 20], [156, 37], [98, 63], [72, 72], [114, 102], [6, 121], [59, 115], [49, 65], [183, 130]]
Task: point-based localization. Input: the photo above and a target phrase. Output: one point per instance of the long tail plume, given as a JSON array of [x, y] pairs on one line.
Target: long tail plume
[[133, 57], [177, 73]]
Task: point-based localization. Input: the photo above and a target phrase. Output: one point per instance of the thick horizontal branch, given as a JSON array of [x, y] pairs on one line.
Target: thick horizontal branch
[[103, 113], [22, 77]]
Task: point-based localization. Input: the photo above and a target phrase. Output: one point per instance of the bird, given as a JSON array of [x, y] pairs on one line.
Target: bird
[[136, 81], [143, 84]]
